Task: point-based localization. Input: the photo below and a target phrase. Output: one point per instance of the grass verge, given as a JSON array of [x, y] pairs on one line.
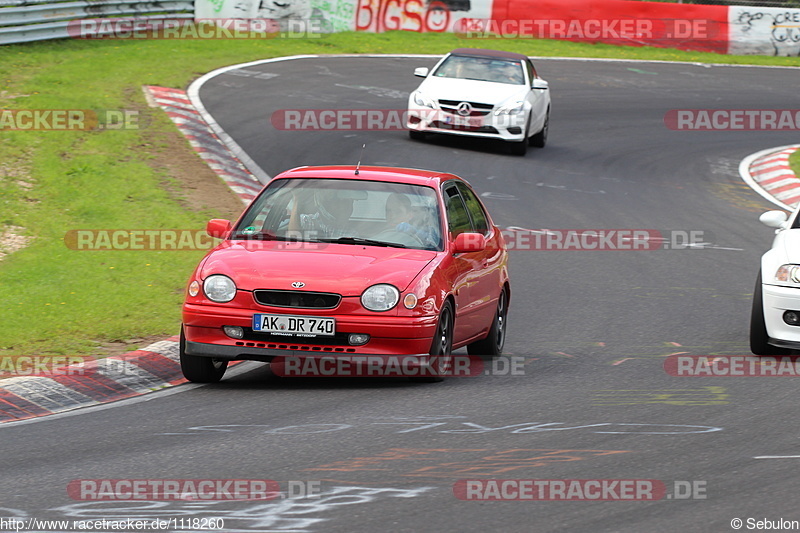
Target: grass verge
[[60, 301], [794, 162]]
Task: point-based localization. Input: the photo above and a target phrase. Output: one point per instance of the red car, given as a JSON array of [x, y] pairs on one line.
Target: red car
[[344, 261]]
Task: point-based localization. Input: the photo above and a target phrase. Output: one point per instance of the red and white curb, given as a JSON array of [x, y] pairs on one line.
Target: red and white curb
[[94, 382], [768, 173], [205, 142], [158, 365]]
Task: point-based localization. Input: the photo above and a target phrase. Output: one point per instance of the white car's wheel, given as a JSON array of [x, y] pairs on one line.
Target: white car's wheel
[[540, 139], [521, 147], [759, 339]]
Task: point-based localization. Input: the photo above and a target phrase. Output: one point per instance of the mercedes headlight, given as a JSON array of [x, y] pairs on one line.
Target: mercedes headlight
[[422, 100], [788, 274], [513, 108]]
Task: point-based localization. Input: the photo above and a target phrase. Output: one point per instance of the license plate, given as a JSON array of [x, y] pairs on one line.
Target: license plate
[[294, 325], [462, 121]]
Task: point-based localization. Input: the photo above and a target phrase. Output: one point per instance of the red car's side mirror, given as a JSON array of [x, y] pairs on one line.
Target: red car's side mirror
[[218, 227], [469, 242]]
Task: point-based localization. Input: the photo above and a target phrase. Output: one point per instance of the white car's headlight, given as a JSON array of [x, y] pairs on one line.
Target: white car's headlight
[[421, 99], [380, 297], [219, 288], [512, 108], [788, 274]]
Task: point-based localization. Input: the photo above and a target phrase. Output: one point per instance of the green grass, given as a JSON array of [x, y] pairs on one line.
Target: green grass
[[794, 162], [60, 301]]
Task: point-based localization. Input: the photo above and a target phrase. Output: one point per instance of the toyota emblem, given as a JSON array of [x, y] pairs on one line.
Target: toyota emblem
[[464, 109], [298, 284]]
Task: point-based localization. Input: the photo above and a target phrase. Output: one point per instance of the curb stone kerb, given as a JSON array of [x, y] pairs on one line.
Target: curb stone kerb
[[157, 366], [767, 172]]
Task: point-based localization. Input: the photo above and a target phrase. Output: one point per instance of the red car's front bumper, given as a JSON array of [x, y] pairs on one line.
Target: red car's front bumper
[[389, 335]]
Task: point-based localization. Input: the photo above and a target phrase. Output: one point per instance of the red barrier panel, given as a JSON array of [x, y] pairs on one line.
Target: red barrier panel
[[682, 26]]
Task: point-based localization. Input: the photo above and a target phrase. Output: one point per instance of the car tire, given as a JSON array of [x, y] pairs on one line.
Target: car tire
[[416, 135], [521, 147], [540, 139], [441, 347], [492, 345], [199, 369], [759, 338]]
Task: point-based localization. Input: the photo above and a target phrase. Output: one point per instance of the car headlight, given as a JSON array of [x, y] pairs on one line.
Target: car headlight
[[788, 274], [194, 288], [421, 99], [219, 288], [513, 108], [380, 297]]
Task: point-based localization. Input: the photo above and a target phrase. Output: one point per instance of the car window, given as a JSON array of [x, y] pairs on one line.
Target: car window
[[482, 69], [328, 209], [475, 209], [457, 216], [531, 71]]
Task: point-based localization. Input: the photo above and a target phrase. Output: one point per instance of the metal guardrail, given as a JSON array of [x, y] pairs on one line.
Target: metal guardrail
[[37, 20]]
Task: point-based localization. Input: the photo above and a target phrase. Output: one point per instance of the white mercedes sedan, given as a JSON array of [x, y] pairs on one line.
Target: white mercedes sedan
[[482, 93], [775, 317]]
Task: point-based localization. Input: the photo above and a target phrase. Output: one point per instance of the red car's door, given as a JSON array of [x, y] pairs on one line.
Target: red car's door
[[471, 281], [486, 280]]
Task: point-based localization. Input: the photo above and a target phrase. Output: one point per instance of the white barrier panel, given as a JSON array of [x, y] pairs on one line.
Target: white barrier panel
[[326, 15], [418, 15], [765, 31], [348, 15]]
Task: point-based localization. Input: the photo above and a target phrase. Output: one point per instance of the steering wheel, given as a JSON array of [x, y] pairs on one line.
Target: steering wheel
[[400, 237]]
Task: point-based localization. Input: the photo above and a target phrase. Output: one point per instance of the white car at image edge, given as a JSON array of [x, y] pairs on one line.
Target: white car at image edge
[[482, 93], [775, 317]]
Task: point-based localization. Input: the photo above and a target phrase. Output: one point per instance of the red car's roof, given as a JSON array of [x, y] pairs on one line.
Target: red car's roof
[[410, 176]]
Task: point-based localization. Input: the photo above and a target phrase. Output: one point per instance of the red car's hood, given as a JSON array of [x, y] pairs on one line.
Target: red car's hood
[[340, 268]]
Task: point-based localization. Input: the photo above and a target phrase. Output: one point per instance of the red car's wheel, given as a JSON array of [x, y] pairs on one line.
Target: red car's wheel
[[492, 345], [200, 369], [441, 347]]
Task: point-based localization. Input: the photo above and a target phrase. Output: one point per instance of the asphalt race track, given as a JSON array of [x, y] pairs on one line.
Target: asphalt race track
[[589, 329]]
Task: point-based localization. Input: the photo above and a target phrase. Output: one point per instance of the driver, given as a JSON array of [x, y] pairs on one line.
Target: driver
[[506, 72]]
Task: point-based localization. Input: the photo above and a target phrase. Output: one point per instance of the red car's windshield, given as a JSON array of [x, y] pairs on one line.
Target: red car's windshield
[[345, 211]]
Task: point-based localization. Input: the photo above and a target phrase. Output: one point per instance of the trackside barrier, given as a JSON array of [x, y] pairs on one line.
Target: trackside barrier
[[739, 30], [31, 20], [705, 28], [665, 25]]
